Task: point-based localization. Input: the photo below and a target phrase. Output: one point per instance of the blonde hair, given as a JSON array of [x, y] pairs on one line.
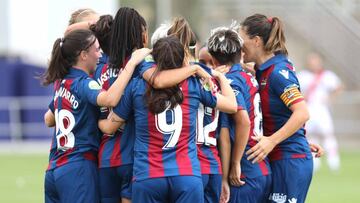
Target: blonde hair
[[80, 14], [181, 29]]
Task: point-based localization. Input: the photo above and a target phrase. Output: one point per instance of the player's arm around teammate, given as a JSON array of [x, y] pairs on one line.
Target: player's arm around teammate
[[297, 119], [283, 106], [181, 29], [110, 97]]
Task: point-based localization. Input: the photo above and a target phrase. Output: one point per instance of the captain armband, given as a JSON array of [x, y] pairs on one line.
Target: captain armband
[[291, 96]]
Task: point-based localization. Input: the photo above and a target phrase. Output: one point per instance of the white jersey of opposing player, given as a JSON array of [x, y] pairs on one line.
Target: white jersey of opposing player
[[317, 90], [317, 95]]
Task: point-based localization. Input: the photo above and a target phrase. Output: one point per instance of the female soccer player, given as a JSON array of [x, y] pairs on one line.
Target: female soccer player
[[207, 117], [82, 19], [284, 109], [166, 167], [83, 14], [128, 33], [72, 172], [225, 46], [320, 87]]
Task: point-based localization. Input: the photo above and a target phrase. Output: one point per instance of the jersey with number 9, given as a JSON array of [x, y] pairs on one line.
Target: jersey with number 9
[[165, 143]]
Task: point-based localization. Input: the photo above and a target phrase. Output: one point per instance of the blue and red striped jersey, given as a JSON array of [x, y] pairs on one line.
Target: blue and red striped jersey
[[207, 140], [76, 113], [207, 137], [116, 150], [279, 89], [245, 88], [165, 143]]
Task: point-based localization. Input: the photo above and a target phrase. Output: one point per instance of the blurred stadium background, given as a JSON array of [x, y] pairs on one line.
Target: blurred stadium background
[[29, 28]]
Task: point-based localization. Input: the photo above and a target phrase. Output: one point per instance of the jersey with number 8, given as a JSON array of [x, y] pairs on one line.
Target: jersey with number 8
[[74, 106], [246, 90]]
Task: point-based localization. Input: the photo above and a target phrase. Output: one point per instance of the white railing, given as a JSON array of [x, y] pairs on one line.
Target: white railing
[[14, 106]]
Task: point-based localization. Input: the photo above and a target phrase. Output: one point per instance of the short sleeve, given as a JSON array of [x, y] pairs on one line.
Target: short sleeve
[[224, 121], [240, 100], [285, 85], [124, 108], [145, 65], [207, 96], [90, 90]]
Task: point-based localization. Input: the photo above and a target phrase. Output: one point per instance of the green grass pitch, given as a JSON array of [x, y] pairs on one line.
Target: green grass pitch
[[22, 176]]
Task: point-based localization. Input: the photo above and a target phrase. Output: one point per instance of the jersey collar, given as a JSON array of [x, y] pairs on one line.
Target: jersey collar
[[75, 72], [273, 60], [235, 68], [103, 59]]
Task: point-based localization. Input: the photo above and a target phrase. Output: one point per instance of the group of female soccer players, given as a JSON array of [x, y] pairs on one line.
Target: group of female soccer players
[[135, 127]]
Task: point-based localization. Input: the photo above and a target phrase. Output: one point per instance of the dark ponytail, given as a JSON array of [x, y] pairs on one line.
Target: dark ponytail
[[65, 54], [126, 35], [270, 30], [102, 31], [168, 53]]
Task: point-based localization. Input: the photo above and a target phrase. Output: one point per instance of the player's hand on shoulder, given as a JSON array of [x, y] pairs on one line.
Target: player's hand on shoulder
[[139, 55]]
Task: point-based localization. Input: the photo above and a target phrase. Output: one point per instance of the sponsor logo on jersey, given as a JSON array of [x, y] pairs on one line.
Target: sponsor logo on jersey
[[278, 197], [236, 92], [285, 73], [292, 200]]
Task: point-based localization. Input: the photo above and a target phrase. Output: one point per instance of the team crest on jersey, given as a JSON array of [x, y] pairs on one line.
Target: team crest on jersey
[[94, 85], [278, 197], [285, 73]]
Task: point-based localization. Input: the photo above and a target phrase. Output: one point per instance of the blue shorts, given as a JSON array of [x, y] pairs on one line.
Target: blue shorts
[[168, 189], [291, 179], [115, 183], [255, 190], [72, 182], [212, 187]]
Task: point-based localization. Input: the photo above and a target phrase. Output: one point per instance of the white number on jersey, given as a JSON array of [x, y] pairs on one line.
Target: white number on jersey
[[174, 129], [258, 120], [203, 132], [65, 122]]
